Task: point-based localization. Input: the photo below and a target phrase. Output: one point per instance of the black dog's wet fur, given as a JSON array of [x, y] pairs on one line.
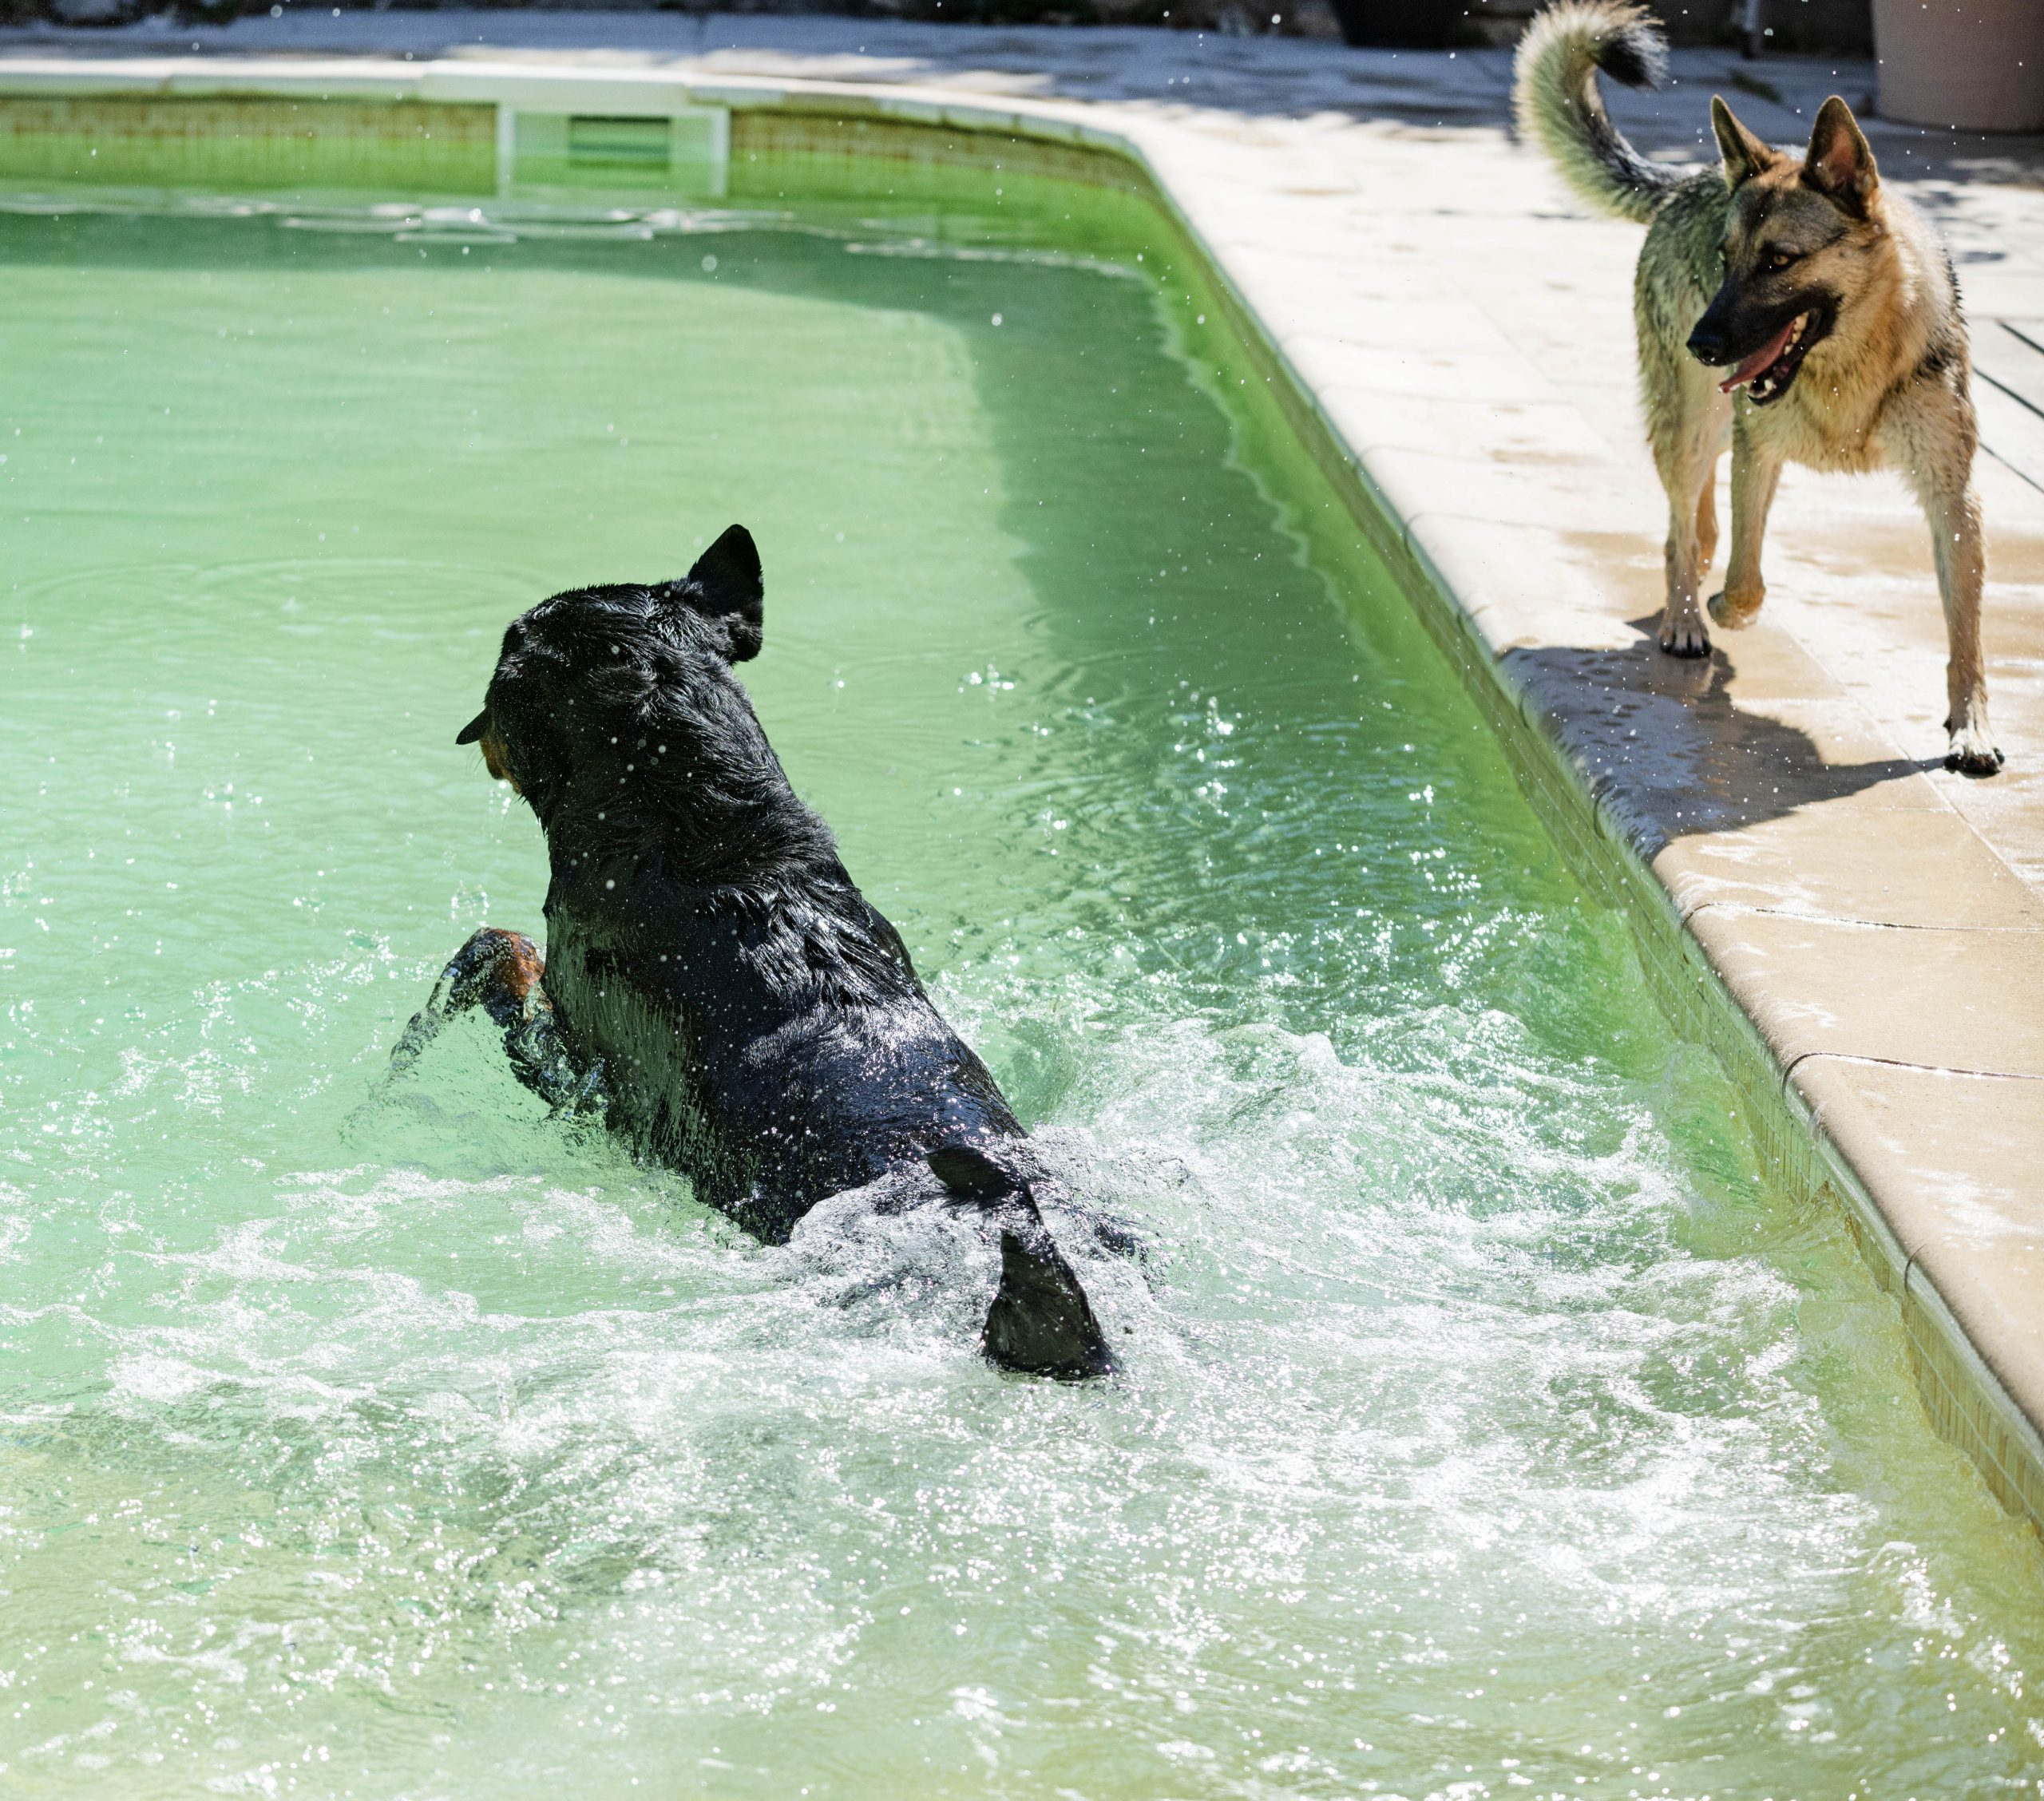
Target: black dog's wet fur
[[714, 979]]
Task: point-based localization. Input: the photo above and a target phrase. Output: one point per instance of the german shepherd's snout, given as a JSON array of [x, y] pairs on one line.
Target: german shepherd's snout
[[1788, 306]]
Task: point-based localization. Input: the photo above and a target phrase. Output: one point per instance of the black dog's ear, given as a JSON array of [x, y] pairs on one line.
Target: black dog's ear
[[1744, 155], [726, 585], [1840, 164]]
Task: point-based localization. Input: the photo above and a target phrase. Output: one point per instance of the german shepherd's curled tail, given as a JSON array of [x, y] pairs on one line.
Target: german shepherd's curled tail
[[1559, 108]]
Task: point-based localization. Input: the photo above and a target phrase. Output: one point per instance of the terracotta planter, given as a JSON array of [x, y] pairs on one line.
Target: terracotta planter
[[1974, 64]]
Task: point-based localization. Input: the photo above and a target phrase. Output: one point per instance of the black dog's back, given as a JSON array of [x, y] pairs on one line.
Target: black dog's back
[[773, 1042], [712, 969]]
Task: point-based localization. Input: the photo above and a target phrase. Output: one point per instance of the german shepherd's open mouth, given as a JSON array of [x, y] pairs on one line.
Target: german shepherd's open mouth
[[1767, 372]]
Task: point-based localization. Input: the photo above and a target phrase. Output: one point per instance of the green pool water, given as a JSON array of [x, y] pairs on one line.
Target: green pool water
[[1486, 1428]]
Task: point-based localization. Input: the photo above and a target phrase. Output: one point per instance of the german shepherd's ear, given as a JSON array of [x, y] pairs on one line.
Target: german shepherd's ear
[[1840, 164], [726, 585], [1744, 155]]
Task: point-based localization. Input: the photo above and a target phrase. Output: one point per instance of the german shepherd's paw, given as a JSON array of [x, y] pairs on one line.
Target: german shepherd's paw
[[1972, 753], [1688, 638], [1733, 615]]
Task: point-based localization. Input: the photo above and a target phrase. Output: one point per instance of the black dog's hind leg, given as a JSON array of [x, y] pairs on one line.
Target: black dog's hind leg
[[1041, 1322], [499, 971]]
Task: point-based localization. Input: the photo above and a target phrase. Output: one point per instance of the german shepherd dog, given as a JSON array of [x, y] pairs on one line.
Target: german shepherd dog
[[1825, 300], [714, 983]]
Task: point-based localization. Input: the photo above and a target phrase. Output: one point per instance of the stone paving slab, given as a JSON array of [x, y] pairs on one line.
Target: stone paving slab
[[1461, 331]]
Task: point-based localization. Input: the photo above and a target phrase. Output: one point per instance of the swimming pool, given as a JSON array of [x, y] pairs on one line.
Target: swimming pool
[[1486, 1425]]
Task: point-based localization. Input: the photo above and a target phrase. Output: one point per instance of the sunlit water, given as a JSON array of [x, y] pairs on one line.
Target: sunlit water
[[1485, 1427]]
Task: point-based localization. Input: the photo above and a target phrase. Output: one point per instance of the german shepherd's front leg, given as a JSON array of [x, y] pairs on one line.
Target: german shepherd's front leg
[[1960, 558], [1683, 633], [1686, 421], [1756, 472], [1932, 435], [499, 971]]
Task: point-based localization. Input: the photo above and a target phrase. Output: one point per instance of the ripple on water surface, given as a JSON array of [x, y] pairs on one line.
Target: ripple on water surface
[[1485, 1426]]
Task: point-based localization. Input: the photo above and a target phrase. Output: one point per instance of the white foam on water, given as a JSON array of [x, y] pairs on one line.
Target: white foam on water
[[1423, 1380]]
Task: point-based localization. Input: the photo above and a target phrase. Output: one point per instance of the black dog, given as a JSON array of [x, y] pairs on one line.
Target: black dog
[[713, 981]]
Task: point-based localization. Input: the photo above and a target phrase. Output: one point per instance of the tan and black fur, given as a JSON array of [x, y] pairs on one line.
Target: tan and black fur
[[1787, 305]]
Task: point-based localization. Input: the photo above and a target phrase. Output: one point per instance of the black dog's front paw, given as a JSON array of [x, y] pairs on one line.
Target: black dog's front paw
[[495, 970]]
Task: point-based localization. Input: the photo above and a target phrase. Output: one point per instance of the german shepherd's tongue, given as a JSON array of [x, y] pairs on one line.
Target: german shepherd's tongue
[[1759, 360]]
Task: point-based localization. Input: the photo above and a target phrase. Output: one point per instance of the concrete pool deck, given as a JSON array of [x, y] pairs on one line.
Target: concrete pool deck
[[1456, 333]]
